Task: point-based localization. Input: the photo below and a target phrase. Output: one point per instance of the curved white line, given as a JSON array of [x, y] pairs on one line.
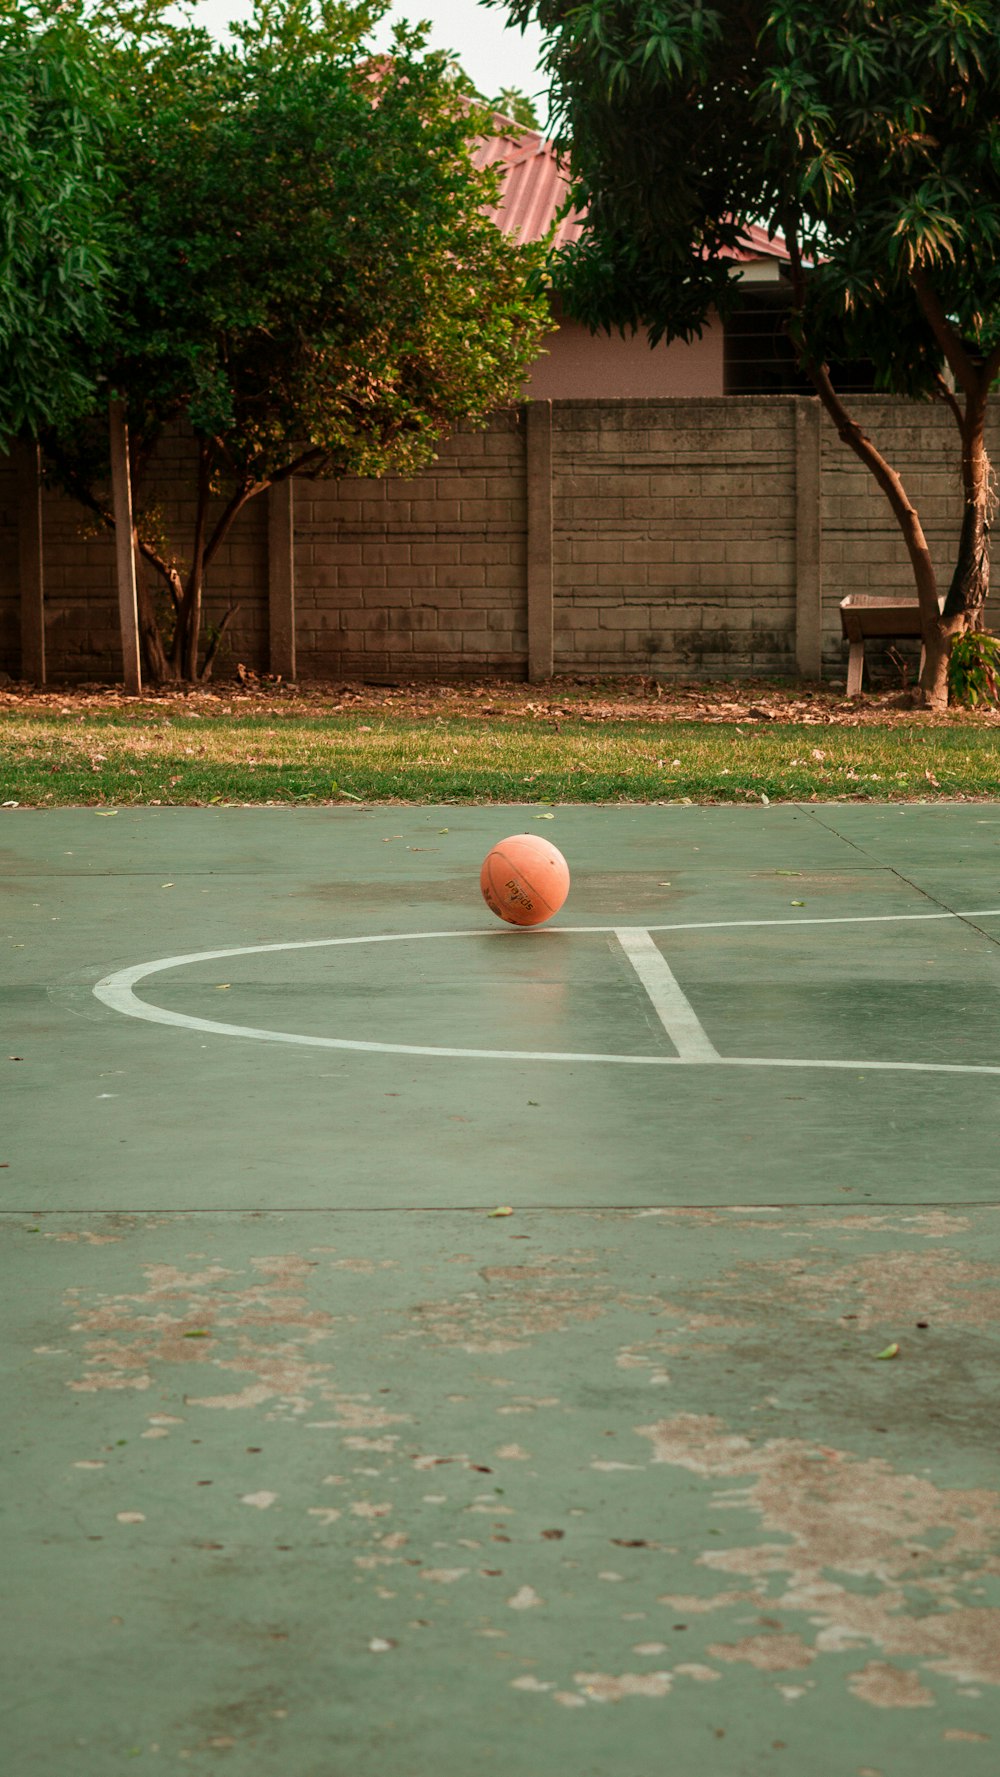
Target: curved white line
[[116, 992]]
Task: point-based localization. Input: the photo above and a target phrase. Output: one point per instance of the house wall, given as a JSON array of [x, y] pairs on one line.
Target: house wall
[[683, 541], [580, 365]]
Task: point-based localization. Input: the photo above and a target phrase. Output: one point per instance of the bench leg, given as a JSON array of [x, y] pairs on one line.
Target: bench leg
[[855, 669]]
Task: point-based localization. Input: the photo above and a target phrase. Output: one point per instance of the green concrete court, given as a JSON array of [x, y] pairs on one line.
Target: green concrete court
[[318, 1469]]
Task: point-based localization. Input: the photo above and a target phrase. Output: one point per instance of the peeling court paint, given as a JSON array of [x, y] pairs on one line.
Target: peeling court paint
[[859, 1518], [890, 1687], [834, 1554]]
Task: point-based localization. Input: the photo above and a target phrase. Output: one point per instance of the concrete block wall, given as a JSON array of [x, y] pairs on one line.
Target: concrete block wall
[[674, 536], [679, 537], [417, 578]]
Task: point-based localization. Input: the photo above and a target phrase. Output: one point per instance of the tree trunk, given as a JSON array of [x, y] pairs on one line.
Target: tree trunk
[[936, 629], [157, 660], [187, 633], [934, 678], [192, 618], [970, 582]]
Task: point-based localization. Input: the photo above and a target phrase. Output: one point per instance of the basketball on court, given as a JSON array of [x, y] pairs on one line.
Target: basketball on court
[[524, 879]]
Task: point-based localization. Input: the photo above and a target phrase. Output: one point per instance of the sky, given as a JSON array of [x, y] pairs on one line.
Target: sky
[[490, 50]]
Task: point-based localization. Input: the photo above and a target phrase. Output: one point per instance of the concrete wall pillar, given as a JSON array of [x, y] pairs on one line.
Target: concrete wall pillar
[[281, 578], [808, 538], [31, 576], [538, 466]]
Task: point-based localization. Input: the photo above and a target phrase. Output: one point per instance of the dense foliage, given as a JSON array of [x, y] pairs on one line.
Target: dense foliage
[[304, 275], [55, 218]]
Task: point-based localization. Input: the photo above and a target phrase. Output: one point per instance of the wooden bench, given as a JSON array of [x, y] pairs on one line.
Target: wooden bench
[[866, 615]]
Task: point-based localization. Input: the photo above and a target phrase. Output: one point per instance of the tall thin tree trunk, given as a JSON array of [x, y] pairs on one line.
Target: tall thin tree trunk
[[970, 582], [196, 580], [157, 660]]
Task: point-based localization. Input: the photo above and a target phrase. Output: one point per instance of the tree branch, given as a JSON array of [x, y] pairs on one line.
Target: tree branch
[[213, 646], [249, 491], [947, 394], [956, 356], [226, 517], [888, 479], [169, 574], [309, 457]]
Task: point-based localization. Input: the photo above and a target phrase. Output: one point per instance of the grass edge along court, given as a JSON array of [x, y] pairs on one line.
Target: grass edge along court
[[73, 750]]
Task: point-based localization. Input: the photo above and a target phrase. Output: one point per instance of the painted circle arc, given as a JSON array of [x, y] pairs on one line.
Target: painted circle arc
[[117, 992]]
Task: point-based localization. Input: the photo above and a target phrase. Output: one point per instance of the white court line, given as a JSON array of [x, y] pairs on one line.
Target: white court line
[[832, 919], [116, 992], [672, 1008]]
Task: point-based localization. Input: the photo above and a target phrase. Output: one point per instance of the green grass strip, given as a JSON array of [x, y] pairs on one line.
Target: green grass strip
[[143, 757]]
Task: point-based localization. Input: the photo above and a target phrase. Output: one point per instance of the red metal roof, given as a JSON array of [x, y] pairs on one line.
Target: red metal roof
[[534, 191], [534, 187]]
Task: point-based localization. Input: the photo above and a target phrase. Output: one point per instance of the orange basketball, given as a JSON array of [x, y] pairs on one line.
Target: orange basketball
[[524, 879]]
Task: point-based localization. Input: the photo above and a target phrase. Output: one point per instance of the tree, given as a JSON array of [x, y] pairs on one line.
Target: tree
[[867, 134], [513, 103], [55, 216], [307, 277]]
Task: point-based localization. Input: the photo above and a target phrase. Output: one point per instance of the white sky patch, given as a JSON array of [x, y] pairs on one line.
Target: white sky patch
[[492, 52]]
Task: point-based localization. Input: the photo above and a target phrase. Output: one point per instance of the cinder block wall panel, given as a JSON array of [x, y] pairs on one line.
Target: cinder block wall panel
[[425, 577], [675, 536]]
